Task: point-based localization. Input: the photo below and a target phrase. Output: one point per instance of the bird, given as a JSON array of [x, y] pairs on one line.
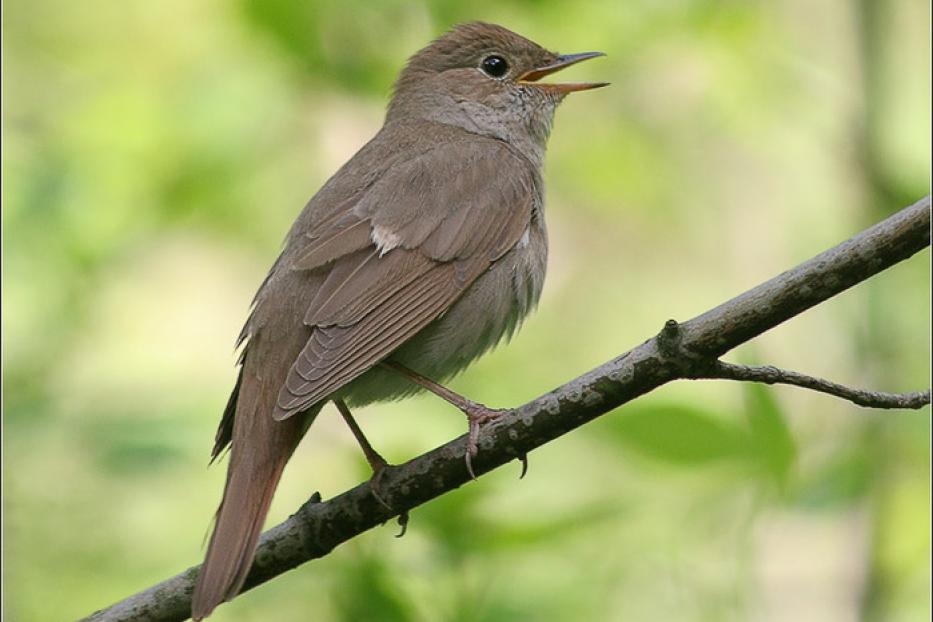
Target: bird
[[420, 254]]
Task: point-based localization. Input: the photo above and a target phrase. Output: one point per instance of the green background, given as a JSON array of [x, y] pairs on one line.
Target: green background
[[156, 152]]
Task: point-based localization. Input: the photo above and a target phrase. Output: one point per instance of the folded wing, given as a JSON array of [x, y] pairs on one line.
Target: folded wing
[[401, 256]]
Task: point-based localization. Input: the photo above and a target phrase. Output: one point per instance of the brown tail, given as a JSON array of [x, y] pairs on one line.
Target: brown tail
[[260, 448]]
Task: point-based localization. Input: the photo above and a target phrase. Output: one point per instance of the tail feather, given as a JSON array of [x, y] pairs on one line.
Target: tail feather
[[225, 430], [260, 449], [240, 518]]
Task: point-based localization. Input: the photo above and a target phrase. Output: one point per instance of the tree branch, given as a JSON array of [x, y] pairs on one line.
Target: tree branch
[[680, 351], [773, 375]]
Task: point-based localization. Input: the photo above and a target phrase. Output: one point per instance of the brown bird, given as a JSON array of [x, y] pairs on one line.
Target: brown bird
[[416, 257]]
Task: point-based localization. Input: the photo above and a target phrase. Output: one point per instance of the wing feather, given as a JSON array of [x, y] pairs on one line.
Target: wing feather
[[335, 244], [368, 287], [454, 211], [358, 348]]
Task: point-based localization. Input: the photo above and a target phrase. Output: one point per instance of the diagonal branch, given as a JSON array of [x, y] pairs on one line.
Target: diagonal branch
[[678, 352], [774, 375]]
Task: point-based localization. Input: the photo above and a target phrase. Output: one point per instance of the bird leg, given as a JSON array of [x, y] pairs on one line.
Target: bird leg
[[476, 413], [376, 461]]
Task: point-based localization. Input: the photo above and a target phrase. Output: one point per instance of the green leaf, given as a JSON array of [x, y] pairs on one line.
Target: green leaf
[[136, 446], [369, 592], [772, 442], [679, 434], [534, 531]]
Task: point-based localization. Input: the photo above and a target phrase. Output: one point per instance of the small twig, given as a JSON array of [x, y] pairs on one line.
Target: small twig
[[773, 375]]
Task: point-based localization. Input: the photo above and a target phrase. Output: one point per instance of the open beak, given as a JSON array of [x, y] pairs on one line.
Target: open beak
[[530, 78]]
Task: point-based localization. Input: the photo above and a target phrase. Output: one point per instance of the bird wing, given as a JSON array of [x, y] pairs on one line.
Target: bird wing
[[401, 256]]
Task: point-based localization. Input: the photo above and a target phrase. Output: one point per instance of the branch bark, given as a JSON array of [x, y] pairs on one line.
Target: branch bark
[[680, 351], [769, 374]]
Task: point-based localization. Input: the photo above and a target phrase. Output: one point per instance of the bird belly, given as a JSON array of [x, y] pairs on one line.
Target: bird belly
[[492, 308]]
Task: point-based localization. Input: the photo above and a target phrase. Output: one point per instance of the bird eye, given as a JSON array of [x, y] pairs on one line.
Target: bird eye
[[495, 66]]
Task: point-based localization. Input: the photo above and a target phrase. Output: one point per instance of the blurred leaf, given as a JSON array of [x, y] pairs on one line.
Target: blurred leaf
[[369, 593], [773, 444], [679, 434], [840, 481], [290, 24], [458, 525], [133, 446], [454, 521], [531, 532], [345, 44]]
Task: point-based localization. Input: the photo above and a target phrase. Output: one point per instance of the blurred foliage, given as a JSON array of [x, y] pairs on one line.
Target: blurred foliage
[[156, 152]]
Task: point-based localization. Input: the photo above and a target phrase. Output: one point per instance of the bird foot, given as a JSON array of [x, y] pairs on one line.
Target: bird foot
[[379, 467], [477, 414]]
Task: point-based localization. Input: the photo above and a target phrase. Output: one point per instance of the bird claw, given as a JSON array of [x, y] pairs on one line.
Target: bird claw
[[477, 415], [524, 459], [469, 464], [375, 482], [403, 523], [375, 487]]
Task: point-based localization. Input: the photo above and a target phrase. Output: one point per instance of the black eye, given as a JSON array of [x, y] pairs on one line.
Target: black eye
[[495, 66]]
